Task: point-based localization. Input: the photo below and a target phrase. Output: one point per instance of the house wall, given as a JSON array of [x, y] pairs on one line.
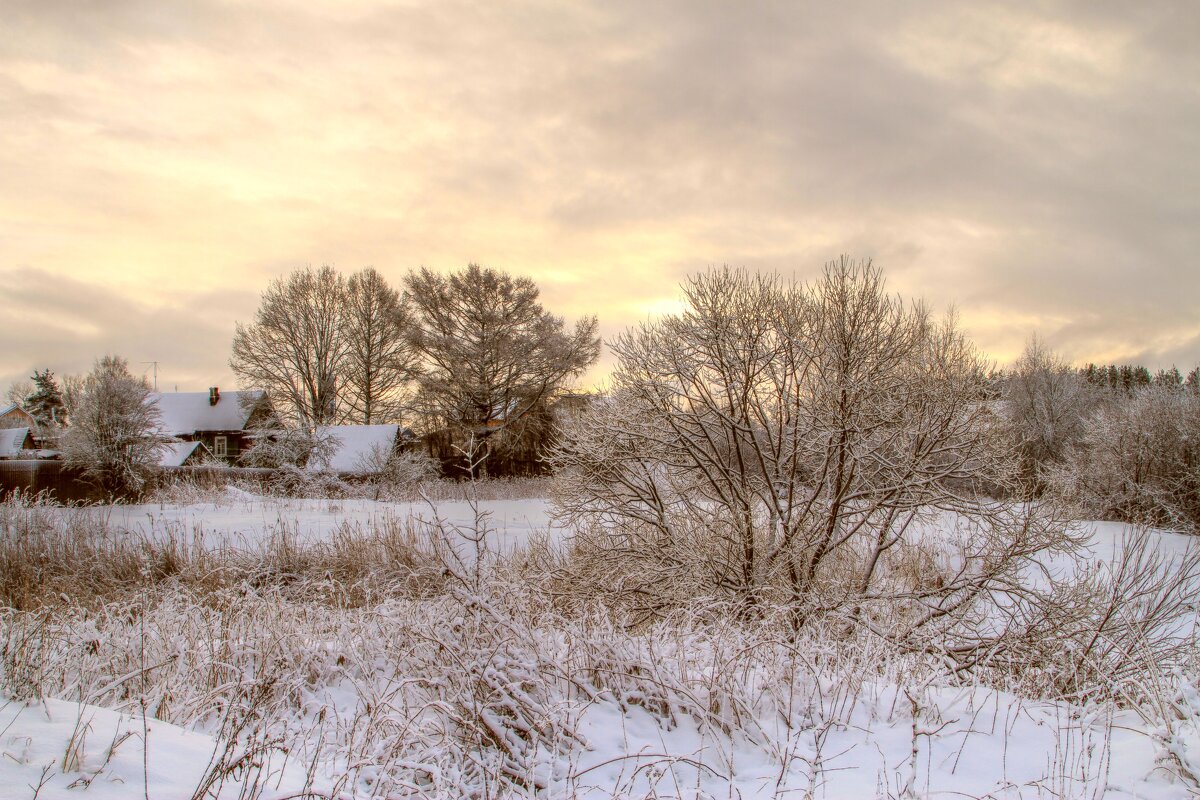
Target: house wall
[[16, 418]]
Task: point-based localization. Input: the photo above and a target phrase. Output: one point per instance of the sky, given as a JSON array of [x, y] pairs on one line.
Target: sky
[[1033, 165]]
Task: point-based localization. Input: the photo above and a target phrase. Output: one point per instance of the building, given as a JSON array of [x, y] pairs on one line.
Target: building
[[356, 449], [183, 454], [221, 421], [16, 443], [16, 417]]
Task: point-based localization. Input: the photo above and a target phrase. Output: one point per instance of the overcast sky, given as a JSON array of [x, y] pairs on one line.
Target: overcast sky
[[1035, 165]]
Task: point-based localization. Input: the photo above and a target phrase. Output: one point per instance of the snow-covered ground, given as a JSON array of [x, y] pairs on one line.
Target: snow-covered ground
[[892, 744], [240, 519], [836, 737]]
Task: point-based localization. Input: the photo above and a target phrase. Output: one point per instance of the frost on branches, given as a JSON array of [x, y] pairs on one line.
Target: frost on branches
[[827, 448]]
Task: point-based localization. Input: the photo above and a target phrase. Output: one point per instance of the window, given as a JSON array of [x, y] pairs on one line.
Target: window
[[220, 449]]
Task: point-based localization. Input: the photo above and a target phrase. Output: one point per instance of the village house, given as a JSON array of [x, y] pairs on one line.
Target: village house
[[222, 422], [16, 443], [357, 449], [16, 417]]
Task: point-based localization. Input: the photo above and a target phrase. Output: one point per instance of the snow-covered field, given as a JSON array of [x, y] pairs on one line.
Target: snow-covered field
[[239, 519], [360, 702]]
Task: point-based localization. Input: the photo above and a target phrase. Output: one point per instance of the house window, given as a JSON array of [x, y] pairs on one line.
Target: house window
[[220, 449]]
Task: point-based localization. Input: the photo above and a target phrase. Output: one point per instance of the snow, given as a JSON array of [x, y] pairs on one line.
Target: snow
[[173, 454], [12, 441], [968, 743], [72, 749], [846, 739], [356, 448], [185, 413], [242, 518]]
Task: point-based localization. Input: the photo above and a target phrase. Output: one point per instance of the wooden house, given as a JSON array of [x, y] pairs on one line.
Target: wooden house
[[16, 443], [16, 417], [221, 421]]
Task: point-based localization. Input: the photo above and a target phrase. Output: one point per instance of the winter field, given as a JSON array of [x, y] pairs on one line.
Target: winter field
[[278, 648]]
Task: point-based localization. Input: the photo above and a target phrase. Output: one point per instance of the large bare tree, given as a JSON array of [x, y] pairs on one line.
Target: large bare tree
[[491, 352], [295, 347], [784, 443], [380, 361]]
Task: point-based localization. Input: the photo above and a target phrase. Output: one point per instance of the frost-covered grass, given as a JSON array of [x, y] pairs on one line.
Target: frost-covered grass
[[404, 659]]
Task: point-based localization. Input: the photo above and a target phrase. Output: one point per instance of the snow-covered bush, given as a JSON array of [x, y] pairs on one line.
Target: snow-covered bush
[[1046, 405], [114, 436], [1139, 459]]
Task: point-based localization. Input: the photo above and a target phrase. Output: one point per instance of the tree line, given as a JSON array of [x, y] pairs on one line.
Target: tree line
[[472, 357], [1117, 441], [472, 353]]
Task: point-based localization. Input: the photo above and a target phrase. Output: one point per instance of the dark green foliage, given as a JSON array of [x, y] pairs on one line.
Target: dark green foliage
[[46, 403]]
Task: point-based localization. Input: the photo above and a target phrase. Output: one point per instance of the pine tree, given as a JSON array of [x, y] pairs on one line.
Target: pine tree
[[46, 404]]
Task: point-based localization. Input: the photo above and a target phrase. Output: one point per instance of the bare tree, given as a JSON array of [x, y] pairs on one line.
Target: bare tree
[[785, 443], [491, 352], [294, 347], [1048, 402], [380, 361], [114, 435], [18, 391]]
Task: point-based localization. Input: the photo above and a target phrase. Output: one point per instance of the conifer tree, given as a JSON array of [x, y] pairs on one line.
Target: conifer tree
[[46, 404]]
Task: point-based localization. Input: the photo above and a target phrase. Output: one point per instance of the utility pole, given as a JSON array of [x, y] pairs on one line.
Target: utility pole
[[155, 364]]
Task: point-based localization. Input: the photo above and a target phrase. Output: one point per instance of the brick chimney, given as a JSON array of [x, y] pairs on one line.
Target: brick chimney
[[214, 394]]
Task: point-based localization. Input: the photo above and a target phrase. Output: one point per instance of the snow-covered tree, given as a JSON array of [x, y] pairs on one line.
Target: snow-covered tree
[[114, 435], [17, 392], [1138, 459], [45, 403], [1047, 404], [782, 443]]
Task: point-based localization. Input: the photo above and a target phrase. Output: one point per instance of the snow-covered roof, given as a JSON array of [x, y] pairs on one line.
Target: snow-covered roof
[[356, 448], [12, 441], [185, 413], [174, 454]]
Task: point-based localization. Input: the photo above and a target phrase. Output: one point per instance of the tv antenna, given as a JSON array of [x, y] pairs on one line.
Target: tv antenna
[[155, 365]]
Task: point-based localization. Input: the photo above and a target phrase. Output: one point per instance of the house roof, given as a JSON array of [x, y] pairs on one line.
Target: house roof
[[174, 454], [13, 441], [355, 447], [14, 407], [184, 413]]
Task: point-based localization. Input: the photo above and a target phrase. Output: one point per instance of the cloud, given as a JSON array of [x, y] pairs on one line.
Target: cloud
[[1032, 166], [65, 324]]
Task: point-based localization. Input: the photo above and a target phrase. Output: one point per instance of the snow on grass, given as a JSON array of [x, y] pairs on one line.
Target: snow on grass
[[492, 693], [55, 748], [244, 519]]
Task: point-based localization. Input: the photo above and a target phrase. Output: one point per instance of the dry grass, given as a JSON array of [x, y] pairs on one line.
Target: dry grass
[[51, 558], [391, 669]]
